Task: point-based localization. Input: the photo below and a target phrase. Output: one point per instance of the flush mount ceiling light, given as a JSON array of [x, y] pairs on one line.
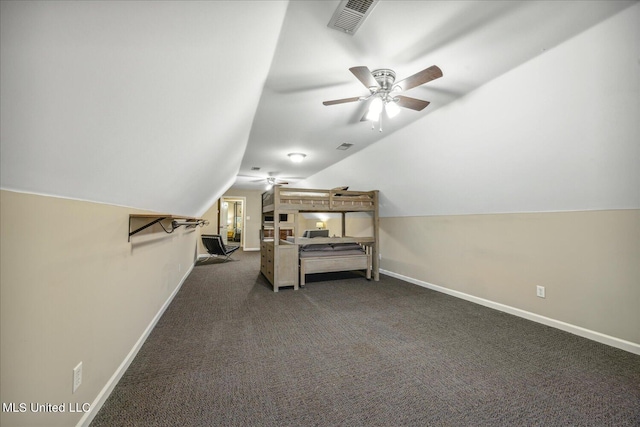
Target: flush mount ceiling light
[[296, 157]]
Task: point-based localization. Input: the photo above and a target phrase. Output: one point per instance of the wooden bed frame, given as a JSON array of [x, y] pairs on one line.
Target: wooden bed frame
[[311, 200], [329, 264], [277, 252]]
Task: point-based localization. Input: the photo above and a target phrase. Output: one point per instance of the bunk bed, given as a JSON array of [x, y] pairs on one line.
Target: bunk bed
[[287, 259]]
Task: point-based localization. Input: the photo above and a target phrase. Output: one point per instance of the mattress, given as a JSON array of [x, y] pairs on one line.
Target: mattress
[[317, 254], [330, 249]]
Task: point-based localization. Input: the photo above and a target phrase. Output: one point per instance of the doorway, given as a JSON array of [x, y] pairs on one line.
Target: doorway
[[232, 219]]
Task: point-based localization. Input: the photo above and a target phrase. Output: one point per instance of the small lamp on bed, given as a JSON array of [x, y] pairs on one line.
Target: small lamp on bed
[[320, 225]]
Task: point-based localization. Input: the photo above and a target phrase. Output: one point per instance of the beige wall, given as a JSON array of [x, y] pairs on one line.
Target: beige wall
[[357, 224], [587, 262], [332, 222], [73, 289], [210, 215]]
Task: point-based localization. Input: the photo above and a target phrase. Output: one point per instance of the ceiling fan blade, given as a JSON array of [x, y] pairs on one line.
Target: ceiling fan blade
[[419, 78], [341, 101], [412, 103], [363, 74]]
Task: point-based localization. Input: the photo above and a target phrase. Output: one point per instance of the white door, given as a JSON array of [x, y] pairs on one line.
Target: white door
[[224, 220]]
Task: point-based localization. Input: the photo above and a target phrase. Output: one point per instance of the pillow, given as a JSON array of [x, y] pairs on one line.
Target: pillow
[[345, 246], [339, 189], [316, 233]]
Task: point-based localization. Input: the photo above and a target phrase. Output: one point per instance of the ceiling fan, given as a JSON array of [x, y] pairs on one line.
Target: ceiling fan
[[384, 90], [269, 181]]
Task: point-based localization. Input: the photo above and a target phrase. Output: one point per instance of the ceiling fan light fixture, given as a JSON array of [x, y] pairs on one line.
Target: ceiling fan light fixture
[[392, 109], [271, 181], [296, 157], [375, 108]]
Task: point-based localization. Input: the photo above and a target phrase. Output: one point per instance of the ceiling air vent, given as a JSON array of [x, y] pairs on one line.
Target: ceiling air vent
[[350, 14], [344, 146]]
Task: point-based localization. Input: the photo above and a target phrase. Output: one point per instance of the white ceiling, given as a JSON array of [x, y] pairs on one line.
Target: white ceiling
[[159, 105], [473, 42], [145, 104], [557, 133]]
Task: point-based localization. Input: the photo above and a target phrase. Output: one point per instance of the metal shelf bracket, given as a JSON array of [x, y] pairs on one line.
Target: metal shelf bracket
[[176, 221]]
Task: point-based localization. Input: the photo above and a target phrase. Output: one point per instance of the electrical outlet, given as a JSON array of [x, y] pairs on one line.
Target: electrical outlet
[[77, 377], [540, 291]]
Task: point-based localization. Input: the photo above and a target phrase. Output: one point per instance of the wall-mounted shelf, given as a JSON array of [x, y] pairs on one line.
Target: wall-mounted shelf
[[176, 221]]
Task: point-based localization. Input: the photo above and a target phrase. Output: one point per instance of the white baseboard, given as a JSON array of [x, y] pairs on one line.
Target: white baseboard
[[205, 256], [567, 327], [108, 388]]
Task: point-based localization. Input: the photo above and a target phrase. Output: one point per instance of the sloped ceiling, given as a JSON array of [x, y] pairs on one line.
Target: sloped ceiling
[[473, 42], [557, 133], [143, 104], [166, 105]]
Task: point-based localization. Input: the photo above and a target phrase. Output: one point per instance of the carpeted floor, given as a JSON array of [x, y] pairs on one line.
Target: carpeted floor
[[349, 352]]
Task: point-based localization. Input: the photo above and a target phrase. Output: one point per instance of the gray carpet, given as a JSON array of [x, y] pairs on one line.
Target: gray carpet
[[344, 351]]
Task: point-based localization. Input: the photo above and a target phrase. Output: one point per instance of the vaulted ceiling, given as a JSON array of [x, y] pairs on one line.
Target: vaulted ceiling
[[166, 105]]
